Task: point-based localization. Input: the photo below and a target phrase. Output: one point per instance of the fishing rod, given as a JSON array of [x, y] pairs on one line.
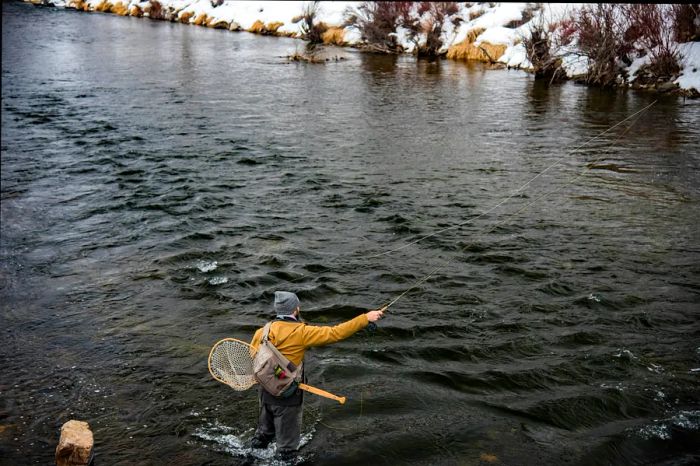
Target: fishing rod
[[494, 226]]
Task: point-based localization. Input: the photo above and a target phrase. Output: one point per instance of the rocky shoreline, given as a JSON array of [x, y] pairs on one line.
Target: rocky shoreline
[[492, 35]]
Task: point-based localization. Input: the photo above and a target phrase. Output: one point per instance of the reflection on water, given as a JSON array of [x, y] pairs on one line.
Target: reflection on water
[[160, 182]]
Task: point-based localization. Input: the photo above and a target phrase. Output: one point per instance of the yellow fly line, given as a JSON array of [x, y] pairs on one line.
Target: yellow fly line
[[231, 362]]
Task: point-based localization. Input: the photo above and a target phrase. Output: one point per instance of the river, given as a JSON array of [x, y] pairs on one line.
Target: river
[[161, 181]]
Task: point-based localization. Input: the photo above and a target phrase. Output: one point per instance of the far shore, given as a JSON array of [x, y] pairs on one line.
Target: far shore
[[469, 49]]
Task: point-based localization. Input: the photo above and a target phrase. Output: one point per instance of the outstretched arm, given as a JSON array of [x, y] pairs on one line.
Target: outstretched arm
[[319, 336]]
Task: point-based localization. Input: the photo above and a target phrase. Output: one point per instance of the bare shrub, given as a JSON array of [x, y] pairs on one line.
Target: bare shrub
[[155, 10], [311, 30], [309, 55], [611, 35], [377, 23], [599, 29], [686, 22], [431, 20], [649, 31], [541, 47]]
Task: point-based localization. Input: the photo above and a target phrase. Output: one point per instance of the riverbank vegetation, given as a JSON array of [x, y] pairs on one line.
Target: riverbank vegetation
[[643, 46], [612, 38]]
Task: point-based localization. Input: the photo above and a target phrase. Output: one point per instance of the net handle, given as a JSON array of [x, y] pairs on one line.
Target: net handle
[[323, 393]]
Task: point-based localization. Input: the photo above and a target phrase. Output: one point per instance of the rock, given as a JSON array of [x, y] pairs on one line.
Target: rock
[[666, 87], [75, 446]]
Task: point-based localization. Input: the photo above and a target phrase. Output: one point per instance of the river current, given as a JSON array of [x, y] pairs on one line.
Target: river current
[[161, 181]]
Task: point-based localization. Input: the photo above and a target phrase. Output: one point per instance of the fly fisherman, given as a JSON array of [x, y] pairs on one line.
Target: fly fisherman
[[280, 418]]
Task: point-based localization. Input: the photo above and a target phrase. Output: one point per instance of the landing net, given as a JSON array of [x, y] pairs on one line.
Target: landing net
[[231, 362]]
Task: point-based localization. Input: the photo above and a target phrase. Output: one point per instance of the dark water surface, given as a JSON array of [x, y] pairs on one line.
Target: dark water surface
[[160, 182]]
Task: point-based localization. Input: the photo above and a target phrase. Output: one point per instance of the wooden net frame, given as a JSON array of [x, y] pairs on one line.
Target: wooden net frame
[[231, 362]]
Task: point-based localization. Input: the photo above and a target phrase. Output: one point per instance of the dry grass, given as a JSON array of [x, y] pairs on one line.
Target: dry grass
[[103, 6], [465, 50], [492, 51], [269, 29], [272, 28], [334, 36], [135, 11], [186, 16], [119, 9], [484, 52], [258, 27], [201, 20], [77, 4]]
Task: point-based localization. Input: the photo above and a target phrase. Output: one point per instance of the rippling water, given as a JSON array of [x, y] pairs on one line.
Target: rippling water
[[160, 182]]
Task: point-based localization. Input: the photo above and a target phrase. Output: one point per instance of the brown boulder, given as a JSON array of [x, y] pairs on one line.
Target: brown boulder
[[75, 446]]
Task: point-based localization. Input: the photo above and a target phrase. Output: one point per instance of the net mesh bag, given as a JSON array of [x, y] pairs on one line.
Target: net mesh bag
[[231, 362]]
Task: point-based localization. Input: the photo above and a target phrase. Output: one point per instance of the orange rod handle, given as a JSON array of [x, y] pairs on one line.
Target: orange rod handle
[[323, 393]]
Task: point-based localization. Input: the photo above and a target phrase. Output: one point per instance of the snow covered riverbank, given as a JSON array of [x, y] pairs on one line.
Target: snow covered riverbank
[[491, 32]]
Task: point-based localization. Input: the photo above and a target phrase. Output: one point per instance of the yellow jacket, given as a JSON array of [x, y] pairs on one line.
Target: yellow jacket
[[292, 339]]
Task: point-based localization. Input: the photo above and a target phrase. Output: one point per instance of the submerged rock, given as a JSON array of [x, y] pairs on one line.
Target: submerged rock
[[75, 445]]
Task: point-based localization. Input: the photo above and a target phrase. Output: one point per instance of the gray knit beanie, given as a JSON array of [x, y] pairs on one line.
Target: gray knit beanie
[[285, 303]]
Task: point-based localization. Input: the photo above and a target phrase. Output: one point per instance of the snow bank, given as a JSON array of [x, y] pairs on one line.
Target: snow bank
[[690, 76]]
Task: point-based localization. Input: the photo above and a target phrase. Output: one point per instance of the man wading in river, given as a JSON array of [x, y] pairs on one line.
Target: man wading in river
[[280, 418]]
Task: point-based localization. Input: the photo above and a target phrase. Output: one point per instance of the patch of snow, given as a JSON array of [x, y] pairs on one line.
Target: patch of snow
[[636, 65], [690, 76], [499, 35], [499, 15], [515, 56], [575, 65]]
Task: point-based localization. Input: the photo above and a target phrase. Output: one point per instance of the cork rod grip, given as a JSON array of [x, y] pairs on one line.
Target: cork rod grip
[[323, 393]]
